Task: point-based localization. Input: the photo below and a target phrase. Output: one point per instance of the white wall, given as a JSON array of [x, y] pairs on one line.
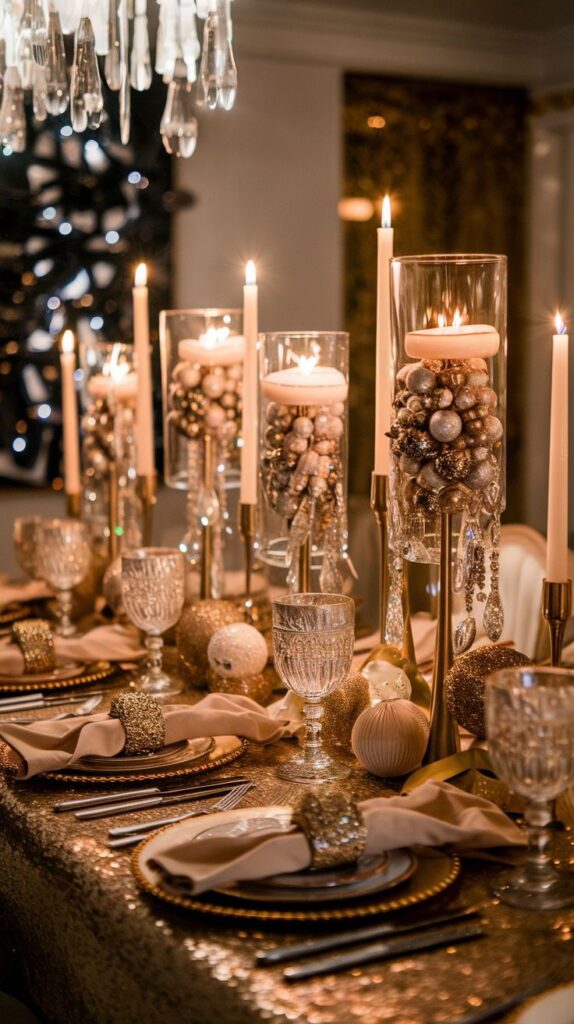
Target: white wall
[[267, 179]]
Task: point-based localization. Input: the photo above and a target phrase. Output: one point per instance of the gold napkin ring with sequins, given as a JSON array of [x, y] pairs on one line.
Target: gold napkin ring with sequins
[[35, 640], [143, 722], [333, 827]]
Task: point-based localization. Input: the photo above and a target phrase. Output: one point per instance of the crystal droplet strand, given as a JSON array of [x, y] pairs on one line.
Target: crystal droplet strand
[[57, 92]]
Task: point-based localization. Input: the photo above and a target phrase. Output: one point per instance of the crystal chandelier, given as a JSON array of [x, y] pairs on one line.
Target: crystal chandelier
[[34, 63]]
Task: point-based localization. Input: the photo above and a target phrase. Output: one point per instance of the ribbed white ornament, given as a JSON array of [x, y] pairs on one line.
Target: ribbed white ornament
[[390, 738]]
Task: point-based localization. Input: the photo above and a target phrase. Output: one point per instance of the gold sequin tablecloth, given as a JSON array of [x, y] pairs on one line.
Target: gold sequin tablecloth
[[96, 951]]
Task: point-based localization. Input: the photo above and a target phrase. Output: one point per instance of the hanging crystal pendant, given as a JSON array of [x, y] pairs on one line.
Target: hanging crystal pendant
[[70, 11], [125, 90], [39, 33], [2, 63], [57, 93], [227, 79], [24, 51], [12, 114], [167, 44], [112, 63], [140, 70], [39, 94], [179, 125], [210, 61], [190, 48], [86, 100]]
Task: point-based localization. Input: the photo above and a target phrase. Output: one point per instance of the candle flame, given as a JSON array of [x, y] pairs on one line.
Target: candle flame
[[68, 343], [307, 363], [386, 214], [250, 273], [213, 336], [559, 323], [441, 320], [457, 319], [140, 278]]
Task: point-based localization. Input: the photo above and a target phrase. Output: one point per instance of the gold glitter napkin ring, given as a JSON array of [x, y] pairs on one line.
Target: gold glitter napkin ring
[[34, 637], [143, 722], [333, 827]]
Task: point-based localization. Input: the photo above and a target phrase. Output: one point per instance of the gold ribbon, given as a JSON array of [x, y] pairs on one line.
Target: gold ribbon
[[143, 722], [35, 640]]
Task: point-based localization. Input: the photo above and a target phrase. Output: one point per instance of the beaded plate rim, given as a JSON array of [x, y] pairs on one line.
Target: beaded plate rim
[[90, 673], [211, 762], [449, 861], [15, 614]]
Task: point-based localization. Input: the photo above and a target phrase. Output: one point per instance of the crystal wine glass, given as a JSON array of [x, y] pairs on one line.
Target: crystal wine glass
[[153, 595], [313, 637], [63, 558], [25, 544], [530, 731]]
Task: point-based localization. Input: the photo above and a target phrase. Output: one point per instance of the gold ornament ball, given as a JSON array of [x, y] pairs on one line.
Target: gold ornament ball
[[465, 683], [258, 687], [341, 710], [195, 629]]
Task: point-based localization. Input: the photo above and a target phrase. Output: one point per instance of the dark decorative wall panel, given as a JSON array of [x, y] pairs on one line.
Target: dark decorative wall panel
[[452, 157]]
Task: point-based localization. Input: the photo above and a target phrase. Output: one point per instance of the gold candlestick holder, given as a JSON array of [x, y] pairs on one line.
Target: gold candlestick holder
[[556, 608], [74, 504], [247, 530], [379, 507], [443, 732], [206, 578], [147, 493]]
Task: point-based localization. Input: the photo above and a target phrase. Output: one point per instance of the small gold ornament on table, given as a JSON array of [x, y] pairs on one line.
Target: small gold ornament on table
[[194, 631]]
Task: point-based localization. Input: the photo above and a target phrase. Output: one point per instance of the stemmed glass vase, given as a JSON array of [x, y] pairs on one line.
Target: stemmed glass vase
[[153, 595], [313, 636], [530, 731], [63, 558]]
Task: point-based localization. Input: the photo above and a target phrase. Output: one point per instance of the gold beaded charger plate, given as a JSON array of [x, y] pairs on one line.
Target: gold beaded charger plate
[[59, 679], [434, 872], [173, 753], [224, 750], [15, 614]]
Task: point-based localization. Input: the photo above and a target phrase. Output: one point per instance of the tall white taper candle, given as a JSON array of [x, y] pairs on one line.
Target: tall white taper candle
[[383, 356], [250, 419]]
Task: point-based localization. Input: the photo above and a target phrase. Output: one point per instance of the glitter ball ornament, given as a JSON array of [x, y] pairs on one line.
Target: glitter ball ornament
[[194, 631], [465, 683], [258, 687], [237, 651], [341, 710], [390, 738], [386, 681]]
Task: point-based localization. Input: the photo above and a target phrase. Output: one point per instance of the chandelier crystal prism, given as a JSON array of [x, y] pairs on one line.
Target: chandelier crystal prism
[[110, 40]]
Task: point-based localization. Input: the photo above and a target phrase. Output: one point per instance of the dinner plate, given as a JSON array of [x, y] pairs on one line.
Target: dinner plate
[[433, 872], [553, 1007], [172, 754], [58, 679], [221, 751]]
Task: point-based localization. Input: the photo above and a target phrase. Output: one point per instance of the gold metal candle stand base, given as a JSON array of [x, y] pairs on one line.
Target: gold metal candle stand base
[[147, 491], [443, 732], [556, 608], [379, 505], [247, 530], [74, 505]]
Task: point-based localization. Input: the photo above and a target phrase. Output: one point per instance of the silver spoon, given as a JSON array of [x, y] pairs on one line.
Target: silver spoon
[[84, 709]]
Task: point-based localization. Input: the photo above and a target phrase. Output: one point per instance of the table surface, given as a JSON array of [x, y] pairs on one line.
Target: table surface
[[98, 950]]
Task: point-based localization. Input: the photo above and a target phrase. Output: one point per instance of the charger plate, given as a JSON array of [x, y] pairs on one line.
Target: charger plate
[[434, 872], [59, 678], [10, 615], [224, 750]]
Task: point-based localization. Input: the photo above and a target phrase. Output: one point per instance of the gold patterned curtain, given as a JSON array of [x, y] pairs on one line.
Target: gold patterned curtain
[[452, 157]]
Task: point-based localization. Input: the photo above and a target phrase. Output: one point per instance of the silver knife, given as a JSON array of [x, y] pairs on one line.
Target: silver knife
[[120, 796], [384, 950], [21, 702], [38, 705], [302, 950]]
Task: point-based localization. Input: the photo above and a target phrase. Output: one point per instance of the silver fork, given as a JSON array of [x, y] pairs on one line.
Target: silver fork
[[84, 709], [132, 834]]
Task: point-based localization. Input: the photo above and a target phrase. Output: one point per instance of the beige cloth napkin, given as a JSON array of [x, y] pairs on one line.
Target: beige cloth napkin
[[434, 814], [16, 593], [109, 643], [51, 746]]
